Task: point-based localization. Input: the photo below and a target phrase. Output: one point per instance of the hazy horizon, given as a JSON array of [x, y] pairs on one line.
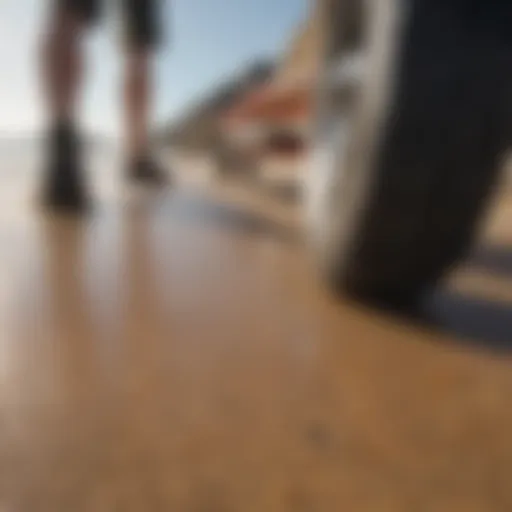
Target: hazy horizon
[[208, 42]]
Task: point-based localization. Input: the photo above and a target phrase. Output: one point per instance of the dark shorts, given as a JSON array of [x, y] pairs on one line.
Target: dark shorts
[[142, 18]]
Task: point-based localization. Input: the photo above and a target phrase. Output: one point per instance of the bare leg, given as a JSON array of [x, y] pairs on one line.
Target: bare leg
[[138, 92], [62, 64], [64, 189], [142, 166]]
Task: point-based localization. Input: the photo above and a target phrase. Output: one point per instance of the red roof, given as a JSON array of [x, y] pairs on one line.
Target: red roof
[[272, 104]]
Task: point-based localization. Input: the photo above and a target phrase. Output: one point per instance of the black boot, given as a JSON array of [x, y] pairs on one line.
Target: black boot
[[64, 189], [146, 171]]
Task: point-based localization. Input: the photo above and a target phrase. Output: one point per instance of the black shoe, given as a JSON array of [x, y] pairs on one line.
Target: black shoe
[[64, 189], [146, 171]]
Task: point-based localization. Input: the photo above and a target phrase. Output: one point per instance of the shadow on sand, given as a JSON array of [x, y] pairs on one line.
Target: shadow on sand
[[484, 323], [474, 322], [494, 259], [469, 320]]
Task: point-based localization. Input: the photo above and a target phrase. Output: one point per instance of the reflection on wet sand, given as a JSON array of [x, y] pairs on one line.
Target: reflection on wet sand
[[180, 354]]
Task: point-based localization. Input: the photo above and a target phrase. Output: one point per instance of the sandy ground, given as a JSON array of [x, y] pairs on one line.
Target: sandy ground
[[177, 352]]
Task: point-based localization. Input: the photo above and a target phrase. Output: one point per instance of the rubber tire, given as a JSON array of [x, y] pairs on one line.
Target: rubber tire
[[429, 131]]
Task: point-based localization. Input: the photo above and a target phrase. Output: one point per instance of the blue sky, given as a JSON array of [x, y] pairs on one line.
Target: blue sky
[[209, 40]]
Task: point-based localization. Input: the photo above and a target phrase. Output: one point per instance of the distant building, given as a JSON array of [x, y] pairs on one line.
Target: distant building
[[198, 128], [278, 114]]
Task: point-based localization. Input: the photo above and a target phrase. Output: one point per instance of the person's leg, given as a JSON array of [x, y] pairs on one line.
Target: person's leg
[[142, 37], [61, 74], [137, 101], [62, 61]]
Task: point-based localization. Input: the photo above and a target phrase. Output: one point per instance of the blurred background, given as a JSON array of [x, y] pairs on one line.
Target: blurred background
[[228, 108]]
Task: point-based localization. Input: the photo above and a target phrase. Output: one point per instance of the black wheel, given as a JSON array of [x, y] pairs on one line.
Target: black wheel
[[413, 121]]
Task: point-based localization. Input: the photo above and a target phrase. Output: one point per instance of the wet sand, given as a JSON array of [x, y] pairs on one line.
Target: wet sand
[[177, 352]]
